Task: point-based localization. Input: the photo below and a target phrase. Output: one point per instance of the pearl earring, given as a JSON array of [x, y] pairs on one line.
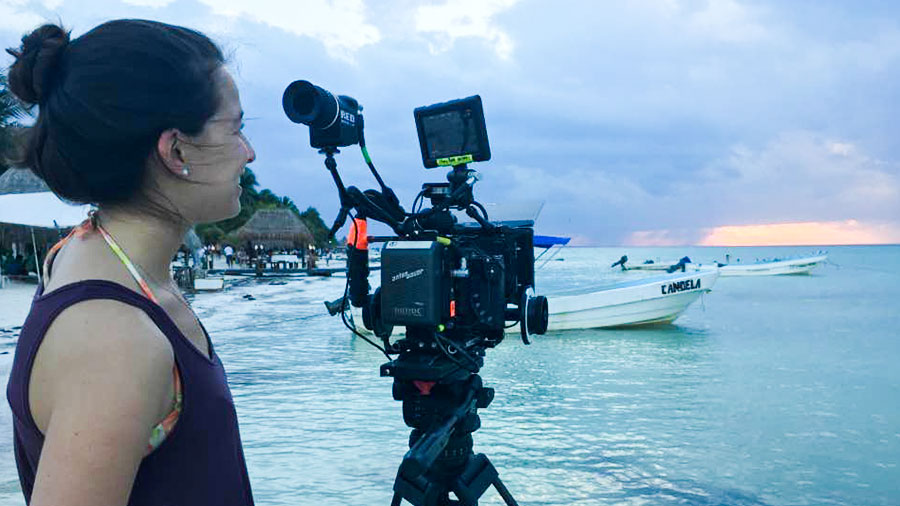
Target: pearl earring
[[185, 170]]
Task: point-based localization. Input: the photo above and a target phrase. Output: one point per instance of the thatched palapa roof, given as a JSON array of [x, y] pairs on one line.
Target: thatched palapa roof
[[275, 228], [21, 181]]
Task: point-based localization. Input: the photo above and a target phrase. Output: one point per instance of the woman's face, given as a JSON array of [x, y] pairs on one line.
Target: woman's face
[[216, 158]]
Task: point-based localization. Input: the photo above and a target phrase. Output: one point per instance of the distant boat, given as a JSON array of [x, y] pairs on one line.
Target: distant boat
[[660, 265], [652, 265], [778, 266], [657, 299], [210, 284], [767, 267]]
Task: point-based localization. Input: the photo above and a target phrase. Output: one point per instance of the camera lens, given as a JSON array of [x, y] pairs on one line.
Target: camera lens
[[538, 314], [303, 103], [534, 315], [306, 103]]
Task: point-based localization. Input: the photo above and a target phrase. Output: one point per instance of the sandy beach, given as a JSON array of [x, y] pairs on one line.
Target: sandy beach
[[15, 300]]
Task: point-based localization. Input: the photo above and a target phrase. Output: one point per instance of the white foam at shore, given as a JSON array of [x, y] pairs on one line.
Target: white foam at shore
[[16, 297], [15, 301], [221, 312]]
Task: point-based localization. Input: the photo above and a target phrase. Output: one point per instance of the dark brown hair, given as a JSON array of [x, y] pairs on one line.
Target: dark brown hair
[[105, 97]]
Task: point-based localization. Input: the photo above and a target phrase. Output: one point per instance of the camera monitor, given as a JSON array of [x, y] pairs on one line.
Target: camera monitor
[[452, 133]]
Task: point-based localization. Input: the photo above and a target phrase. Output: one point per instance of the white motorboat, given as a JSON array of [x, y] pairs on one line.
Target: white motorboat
[[773, 267], [657, 299], [684, 264], [210, 284], [652, 265], [767, 267]]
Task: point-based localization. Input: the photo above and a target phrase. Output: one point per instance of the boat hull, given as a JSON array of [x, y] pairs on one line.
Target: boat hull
[[655, 266], [654, 300], [778, 268], [643, 312]]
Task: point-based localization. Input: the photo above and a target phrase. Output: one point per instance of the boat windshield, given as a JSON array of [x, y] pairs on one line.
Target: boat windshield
[[512, 213]]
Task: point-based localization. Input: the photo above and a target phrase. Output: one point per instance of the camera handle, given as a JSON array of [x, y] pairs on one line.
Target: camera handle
[[382, 207], [386, 191]]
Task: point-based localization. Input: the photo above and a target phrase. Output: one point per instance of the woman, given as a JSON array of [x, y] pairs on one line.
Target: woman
[[117, 394]]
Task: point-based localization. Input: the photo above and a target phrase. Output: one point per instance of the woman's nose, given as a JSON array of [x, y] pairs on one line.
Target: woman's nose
[[251, 153]]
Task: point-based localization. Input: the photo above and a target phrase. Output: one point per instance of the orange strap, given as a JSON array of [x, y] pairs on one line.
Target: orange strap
[[358, 236]]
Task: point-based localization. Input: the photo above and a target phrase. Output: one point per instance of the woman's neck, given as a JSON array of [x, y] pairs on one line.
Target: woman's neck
[[149, 241]]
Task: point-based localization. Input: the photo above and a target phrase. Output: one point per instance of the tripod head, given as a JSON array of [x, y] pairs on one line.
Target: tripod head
[[440, 459]]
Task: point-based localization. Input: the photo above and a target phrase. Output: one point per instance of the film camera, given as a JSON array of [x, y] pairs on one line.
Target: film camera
[[455, 286]]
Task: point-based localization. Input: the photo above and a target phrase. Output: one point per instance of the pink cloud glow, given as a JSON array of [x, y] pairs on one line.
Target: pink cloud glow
[[831, 233]]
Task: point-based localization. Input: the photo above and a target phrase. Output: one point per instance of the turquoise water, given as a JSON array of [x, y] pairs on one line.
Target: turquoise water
[[769, 390]]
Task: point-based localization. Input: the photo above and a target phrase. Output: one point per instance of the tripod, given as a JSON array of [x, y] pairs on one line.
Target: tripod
[[440, 459]]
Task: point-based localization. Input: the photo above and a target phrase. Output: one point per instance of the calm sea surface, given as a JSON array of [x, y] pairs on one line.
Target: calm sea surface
[[769, 390]]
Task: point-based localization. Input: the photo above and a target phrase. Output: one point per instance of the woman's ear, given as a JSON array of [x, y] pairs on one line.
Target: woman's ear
[[170, 153]]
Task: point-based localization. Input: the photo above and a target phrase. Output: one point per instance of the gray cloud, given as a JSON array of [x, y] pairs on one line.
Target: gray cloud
[[653, 114]]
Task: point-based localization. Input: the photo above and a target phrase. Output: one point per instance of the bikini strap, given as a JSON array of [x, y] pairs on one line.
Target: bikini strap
[[93, 224], [127, 262], [77, 231]]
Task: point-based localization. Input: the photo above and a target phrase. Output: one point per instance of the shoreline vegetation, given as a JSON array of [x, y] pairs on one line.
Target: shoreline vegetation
[[252, 201]]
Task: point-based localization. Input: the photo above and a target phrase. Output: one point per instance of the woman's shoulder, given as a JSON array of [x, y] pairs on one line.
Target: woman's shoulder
[[100, 381], [107, 346], [101, 324]]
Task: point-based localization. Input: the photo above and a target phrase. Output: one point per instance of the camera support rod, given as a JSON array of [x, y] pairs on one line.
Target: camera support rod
[[346, 204]]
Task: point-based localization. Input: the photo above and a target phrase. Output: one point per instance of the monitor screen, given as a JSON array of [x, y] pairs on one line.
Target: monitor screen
[[452, 133]]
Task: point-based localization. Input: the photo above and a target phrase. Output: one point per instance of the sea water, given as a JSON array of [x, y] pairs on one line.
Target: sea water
[[768, 390]]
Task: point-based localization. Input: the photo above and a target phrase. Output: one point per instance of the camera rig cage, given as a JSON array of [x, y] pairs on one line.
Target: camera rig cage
[[456, 287]]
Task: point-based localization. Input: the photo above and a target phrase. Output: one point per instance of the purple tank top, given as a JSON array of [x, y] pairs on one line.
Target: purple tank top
[[200, 463]]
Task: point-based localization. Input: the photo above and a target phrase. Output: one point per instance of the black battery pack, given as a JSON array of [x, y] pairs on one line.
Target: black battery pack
[[412, 291]]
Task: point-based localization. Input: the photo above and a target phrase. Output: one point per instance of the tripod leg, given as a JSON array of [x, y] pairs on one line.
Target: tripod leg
[[504, 492]]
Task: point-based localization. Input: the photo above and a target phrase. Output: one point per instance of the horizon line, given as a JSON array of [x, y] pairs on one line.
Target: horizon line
[[731, 245]]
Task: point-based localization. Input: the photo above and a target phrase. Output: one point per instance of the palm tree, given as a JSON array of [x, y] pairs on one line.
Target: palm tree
[[248, 183], [10, 112]]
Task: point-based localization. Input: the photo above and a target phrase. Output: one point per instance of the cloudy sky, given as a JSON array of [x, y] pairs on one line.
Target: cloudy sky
[[636, 122]]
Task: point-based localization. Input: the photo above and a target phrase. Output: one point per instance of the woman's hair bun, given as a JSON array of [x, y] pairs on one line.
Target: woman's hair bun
[[36, 69]]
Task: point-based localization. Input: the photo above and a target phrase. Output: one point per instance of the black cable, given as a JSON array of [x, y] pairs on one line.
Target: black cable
[[438, 338], [365, 152], [416, 214], [345, 304], [472, 212], [416, 207], [353, 328], [483, 210], [418, 201]]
